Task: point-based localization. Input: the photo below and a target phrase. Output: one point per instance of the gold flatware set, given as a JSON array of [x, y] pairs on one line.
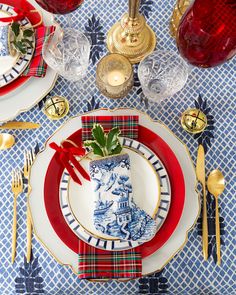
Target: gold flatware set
[[215, 185], [17, 189], [19, 125], [28, 161], [8, 140], [200, 171], [195, 121]]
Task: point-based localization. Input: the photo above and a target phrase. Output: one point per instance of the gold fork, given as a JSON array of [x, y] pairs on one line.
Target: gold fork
[[17, 188], [28, 161]]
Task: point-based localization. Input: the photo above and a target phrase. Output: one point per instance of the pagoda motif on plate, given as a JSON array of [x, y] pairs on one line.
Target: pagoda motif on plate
[[115, 212]]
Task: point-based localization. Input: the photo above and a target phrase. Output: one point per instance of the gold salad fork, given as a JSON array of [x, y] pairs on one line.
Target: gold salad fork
[[17, 188], [28, 161]]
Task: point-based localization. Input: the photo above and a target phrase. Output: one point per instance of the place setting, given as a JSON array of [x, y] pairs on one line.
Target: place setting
[[165, 201], [114, 152], [23, 70]]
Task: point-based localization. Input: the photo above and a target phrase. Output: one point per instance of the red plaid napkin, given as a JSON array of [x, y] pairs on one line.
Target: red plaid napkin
[[127, 124], [38, 66], [100, 264]]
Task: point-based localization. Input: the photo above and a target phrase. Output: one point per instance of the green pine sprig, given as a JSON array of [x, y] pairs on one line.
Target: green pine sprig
[[104, 144], [21, 38]]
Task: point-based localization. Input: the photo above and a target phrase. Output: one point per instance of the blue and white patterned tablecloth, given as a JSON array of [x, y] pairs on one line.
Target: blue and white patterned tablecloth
[[187, 273]]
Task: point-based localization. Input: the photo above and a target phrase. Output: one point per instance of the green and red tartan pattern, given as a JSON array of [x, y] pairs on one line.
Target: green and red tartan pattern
[[38, 66], [98, 264], [128, 125]]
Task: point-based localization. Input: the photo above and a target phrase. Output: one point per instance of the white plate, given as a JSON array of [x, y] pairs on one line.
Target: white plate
[[77, 201], [13, 66], [31, 92], [45, 232]]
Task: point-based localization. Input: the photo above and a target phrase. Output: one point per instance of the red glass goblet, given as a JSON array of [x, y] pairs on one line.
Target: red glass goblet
[[207, 32], [60, 6]]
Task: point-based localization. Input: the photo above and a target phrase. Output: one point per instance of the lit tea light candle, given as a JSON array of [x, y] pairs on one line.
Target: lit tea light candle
[[114, 76]]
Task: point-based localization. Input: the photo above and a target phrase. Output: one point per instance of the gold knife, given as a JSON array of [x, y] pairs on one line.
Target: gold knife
[[20, 125], [200, 171]]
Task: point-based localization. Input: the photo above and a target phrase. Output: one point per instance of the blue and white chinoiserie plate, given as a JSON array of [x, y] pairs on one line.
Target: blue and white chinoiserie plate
[[12, 62], [147, 172]]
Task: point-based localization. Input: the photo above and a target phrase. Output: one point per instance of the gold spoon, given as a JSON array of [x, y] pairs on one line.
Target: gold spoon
[[6, 141], [216, 186]]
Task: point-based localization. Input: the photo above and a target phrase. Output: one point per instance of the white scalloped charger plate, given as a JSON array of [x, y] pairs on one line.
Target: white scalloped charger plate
[[44, 230], [30, 93]]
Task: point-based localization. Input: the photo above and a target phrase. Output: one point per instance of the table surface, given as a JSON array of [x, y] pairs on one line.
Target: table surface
[[187, 273]]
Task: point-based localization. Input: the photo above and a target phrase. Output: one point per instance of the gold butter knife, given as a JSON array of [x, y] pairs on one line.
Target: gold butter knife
[[200, 171], [20, 125]]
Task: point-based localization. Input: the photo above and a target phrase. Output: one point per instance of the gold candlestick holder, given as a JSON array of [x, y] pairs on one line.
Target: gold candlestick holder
[[180, 7], [132, 37]]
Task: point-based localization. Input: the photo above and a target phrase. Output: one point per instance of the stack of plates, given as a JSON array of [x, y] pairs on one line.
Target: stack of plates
[[18, 93], [13, 66], [163, 185]]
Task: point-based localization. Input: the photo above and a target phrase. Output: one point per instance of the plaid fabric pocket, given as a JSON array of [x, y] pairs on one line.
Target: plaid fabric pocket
[[127, 124], [98, 264], [38, 66]]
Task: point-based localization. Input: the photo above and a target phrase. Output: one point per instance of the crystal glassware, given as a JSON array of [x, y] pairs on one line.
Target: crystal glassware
[[162, 74], [114, 75], [67, 52], [206, 35]]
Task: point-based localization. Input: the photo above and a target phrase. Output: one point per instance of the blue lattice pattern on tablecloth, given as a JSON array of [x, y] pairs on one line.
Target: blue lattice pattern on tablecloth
[[187, 273]]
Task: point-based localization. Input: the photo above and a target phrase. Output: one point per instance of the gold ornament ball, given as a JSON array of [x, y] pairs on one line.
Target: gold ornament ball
[[193, 121], [56, 107]]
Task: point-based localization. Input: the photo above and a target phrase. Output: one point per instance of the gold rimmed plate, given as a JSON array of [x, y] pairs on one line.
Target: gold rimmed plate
[[77, 203]]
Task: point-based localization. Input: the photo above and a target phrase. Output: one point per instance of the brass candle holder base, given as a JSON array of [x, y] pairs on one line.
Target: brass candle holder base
[[132, 37], [180, 7]]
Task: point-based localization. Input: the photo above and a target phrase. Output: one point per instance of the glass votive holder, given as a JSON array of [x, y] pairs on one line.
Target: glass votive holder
[[114, 76]]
